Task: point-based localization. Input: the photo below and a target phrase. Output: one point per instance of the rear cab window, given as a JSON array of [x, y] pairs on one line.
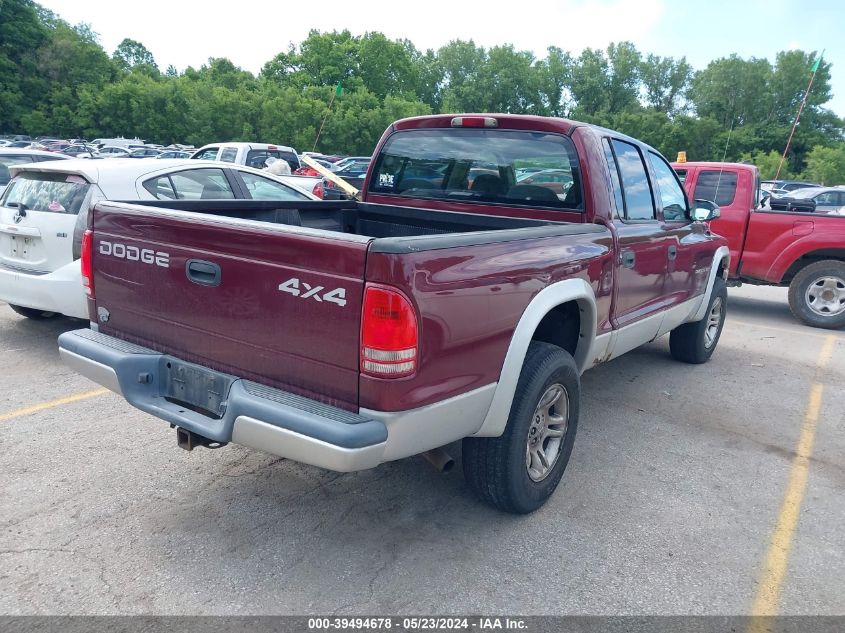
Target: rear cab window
[[481, 166], [716, 186], [46, 192], [229, 154], [257, 158]]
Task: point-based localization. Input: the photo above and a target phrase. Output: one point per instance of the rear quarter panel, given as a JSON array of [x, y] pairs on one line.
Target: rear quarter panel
[[469, 300]]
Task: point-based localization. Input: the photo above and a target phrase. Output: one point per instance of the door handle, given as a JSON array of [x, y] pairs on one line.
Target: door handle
[[628, 259], [673, 252], [202, 272]]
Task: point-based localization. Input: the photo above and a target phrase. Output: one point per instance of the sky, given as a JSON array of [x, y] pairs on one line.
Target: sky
[[251, 32]]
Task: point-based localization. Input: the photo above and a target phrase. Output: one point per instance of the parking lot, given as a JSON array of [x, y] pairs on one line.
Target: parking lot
[[679, 479]]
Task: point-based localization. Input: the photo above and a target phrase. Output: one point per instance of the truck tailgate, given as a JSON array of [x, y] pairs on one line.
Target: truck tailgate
[[277, 304]]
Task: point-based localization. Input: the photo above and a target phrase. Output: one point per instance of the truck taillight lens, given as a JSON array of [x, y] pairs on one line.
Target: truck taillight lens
[[319, 190], [389, 339], [86, 261]]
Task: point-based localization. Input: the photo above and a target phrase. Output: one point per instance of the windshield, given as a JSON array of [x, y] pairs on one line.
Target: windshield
[[480, 165], [53, 193]]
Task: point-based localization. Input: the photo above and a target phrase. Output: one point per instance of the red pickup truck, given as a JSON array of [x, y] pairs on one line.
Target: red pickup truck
[[348, 334], [799, 249]]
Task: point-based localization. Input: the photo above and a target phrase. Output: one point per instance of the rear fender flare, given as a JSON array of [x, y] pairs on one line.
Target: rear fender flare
[[722, 254], [547, 299]]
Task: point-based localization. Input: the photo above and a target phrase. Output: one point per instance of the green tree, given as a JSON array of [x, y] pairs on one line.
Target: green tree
[[131, 54], [666, 82], [826, 165], [732, 91], [22, 34], [767, 163]]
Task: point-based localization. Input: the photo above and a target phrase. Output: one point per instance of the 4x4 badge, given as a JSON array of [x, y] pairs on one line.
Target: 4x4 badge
[[306, 291]]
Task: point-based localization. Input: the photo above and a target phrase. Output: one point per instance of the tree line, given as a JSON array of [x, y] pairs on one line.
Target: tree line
[[58, 80]]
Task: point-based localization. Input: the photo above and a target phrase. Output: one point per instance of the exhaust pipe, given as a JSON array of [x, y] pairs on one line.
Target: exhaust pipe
[[188, 440], [440, 459]]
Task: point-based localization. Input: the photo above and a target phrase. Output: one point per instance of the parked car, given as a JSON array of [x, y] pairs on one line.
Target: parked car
[[46, 206], [113, 151], [786, 185], [143, 152], [810, 199], [19, 144], [81, 151], [349, 334], [250, 154], [777, 246], [343, 162], [174, 153], [10, 156]]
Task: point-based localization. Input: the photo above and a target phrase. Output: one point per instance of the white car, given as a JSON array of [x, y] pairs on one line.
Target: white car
[[43, 214]]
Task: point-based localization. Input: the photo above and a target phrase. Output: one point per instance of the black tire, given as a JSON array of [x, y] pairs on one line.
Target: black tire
[[695, 342], [497, 468], [807, 294], [32, 313]]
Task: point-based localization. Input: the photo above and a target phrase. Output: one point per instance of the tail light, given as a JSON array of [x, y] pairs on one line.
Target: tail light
[[87, 263], [319, 190], [389, 338]]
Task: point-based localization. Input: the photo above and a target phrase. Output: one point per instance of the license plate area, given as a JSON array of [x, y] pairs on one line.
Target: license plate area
[[197, 388], [20, 246]]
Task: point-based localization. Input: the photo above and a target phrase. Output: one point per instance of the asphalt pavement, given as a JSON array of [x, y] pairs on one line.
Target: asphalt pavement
[[680, 479]]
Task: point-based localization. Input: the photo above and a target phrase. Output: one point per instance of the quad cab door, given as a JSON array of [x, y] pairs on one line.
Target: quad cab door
[[644, 248]]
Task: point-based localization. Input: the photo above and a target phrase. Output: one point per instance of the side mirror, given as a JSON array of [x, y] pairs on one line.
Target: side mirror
[[705, 210]]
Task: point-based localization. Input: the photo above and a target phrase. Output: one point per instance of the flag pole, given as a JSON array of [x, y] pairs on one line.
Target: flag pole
[[798, 115], [337, 92]]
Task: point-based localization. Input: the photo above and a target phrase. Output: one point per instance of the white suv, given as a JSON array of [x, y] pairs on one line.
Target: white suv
[[43, 214]]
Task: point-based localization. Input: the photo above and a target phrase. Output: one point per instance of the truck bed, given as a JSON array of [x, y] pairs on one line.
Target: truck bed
[[272, 291]]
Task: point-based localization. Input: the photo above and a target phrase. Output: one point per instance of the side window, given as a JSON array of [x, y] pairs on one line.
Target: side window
[[229, 154], [717, 186], [614, 178], [8, 161], [682, 175], [639, 204], [196, 184], [209, 154], [161, 188], [828, 199], [669, 191], [261, 188]]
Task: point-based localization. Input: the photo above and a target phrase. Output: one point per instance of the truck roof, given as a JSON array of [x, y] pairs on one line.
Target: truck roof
[[714, 165], [504, 121]]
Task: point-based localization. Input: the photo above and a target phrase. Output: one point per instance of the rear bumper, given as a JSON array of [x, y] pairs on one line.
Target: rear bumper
[[257, 416], [274, 421], [59, 291]]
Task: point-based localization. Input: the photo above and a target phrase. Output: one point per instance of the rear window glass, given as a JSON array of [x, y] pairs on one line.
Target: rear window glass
[[257, 158], [479, 165], [716, 186], [52, 193], [229, 154]]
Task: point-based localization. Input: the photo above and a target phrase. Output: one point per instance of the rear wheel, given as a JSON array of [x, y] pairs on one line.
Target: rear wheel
[[518, 471], [32, 313], [817, 294], [695, 342]]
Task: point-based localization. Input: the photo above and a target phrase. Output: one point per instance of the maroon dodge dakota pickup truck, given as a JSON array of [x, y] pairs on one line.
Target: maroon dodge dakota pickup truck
[[454, 301]]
